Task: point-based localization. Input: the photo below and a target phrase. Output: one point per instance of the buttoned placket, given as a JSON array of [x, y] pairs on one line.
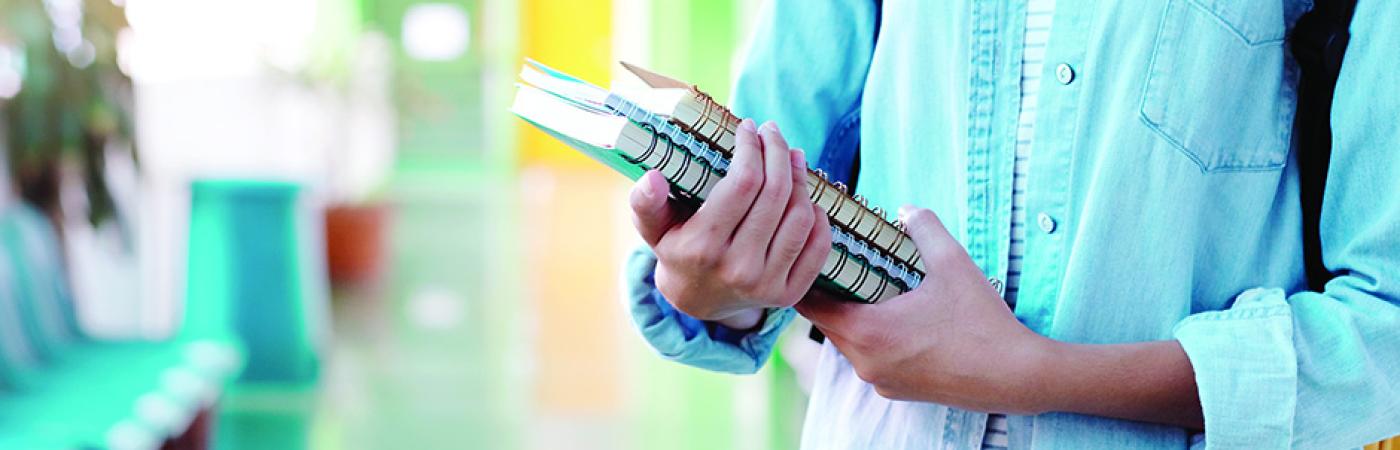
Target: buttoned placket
[[1050, 176], [993, 104]]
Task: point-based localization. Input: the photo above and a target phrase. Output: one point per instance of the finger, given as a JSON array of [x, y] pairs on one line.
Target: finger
[[834, 317], [928, 233], [799, 168], [652, 212], [756, 229], [817, 249], [732, 196], [795, 226], [836, 339]]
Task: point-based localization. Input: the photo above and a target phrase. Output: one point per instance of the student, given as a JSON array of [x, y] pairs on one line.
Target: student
[[1120, 169]]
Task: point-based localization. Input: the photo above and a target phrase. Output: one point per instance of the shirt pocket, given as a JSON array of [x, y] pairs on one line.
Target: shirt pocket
[[1220, 87]]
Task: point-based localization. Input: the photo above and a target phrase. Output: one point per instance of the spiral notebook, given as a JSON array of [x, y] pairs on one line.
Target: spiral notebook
[[675, 128]]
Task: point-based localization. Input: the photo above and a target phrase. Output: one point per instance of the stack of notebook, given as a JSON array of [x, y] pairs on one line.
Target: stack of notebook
[[682, 132]]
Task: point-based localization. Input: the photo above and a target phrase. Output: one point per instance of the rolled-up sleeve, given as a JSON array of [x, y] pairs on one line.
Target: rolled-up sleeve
[[1322, 369], [687, 340], [804, 69]]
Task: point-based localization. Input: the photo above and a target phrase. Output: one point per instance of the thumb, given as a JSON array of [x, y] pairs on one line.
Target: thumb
[[652, 212], [928, 233]]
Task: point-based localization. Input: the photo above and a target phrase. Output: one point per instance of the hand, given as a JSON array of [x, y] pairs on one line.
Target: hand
[[952, 340], [757, 241]]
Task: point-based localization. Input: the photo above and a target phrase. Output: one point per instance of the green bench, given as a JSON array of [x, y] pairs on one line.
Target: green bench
[[62, 389]]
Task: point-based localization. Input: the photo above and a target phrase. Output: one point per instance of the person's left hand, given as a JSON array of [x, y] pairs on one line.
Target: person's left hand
[[952, 340]]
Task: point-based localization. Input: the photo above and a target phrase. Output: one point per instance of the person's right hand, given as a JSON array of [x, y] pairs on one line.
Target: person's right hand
[[756, 242]]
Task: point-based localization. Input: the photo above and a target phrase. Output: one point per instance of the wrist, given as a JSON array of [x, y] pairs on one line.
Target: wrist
[[744, 319], [1048, 368]]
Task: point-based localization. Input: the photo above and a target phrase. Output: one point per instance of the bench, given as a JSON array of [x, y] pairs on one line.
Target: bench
[[61, 388]]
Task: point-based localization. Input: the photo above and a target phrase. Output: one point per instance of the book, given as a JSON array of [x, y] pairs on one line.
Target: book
[[677, 129], [698, 114]]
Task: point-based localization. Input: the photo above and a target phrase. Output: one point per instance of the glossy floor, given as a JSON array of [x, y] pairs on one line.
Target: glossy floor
[[497, 324]]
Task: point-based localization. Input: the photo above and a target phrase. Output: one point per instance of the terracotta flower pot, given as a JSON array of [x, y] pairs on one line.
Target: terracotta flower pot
[[355, 242]]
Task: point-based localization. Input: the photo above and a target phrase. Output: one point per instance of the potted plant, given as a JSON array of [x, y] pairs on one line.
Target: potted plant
[[355, 78], [347, 68], [70, 106]]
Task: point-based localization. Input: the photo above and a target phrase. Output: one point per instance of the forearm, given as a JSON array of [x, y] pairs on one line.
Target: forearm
[[1148, 382]]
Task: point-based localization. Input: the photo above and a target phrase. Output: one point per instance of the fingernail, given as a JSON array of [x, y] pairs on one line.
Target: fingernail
[[656, 184], [770, 126], [747, 125], [646, 185], [662, 186], [799, 159]]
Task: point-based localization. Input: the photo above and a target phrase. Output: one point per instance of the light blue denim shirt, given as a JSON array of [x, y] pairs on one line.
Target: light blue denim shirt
[[1161, 191]]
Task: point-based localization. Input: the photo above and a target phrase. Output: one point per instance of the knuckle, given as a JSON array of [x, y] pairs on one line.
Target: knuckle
[[751, 292], [746, 182], [694, 256], [790, 250], [823, 234], [773, 296], [803, 217], [742, 280], [772, 193], [819, 214]]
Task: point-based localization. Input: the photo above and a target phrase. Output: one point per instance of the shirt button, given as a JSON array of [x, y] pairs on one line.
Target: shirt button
[[1064, 73], [1047, 223]]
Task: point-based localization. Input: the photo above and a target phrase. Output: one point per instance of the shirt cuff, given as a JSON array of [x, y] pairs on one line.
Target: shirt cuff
[[685, 339], [1246, 370]]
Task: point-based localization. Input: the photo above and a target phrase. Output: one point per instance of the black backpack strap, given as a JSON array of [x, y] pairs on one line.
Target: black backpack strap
[[1318, 44]]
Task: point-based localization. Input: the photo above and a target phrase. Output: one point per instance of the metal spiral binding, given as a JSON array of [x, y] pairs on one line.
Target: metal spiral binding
[[659, 141], [677, 136], [712, 106], [706, 155], [899, 272]]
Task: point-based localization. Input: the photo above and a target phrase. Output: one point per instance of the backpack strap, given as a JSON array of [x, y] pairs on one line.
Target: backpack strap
[[1318, 43]]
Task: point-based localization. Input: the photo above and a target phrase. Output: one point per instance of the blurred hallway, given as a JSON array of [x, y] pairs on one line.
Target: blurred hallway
[[421, 359], [452, 350], [496, 321], [449, 349]]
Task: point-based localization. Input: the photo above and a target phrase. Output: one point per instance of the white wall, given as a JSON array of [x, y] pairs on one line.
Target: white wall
[[215, 97]]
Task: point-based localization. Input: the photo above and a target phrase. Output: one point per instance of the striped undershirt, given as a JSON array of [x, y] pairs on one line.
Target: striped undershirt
[[1038, 15]]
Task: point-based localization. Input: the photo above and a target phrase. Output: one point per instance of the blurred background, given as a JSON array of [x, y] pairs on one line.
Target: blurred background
[[313, 224]]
